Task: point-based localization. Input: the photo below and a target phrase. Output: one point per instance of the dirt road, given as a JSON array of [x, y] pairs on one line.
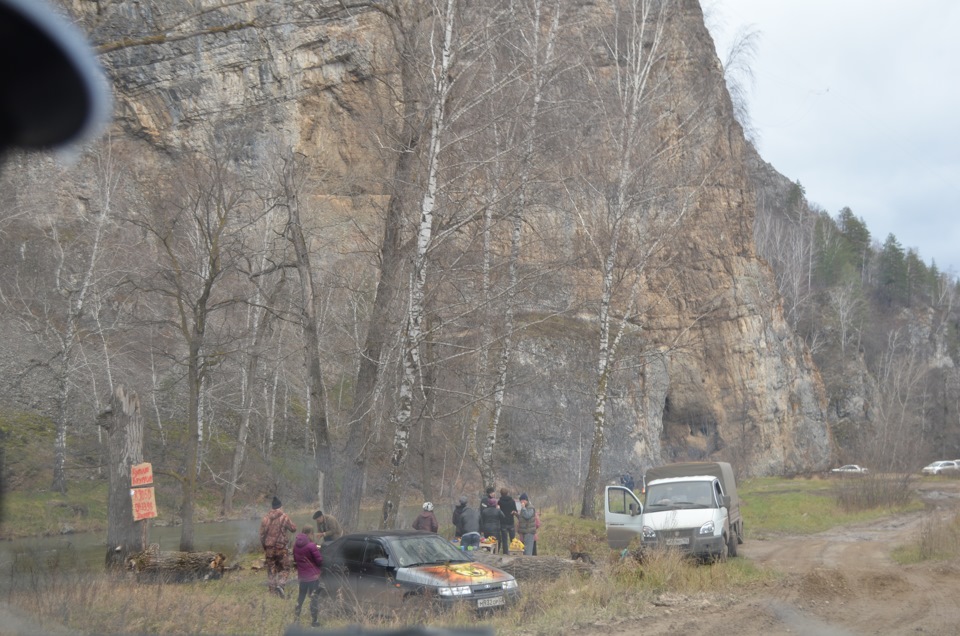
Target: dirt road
[[837, 583]]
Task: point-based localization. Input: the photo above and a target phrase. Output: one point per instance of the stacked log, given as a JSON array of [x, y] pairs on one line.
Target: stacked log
[[154, 565]]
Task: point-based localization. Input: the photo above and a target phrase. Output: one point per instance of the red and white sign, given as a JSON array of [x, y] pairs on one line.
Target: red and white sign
[[144, 503], [141, 474]]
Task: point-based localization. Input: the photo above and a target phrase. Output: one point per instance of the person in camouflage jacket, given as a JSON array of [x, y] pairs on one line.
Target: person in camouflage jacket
[[273, 537]]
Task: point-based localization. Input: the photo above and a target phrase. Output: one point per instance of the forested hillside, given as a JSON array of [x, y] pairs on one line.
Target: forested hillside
[[881, 323]]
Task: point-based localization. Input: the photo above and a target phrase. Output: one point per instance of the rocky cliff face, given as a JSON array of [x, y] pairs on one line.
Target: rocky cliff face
[[719, 373], [728, 378]]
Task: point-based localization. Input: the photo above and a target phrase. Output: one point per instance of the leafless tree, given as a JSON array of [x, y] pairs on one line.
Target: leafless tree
[[59, 306], [197, 228], [529, 34], [898, 432], [633, 186], [260, 317], [292, 177]]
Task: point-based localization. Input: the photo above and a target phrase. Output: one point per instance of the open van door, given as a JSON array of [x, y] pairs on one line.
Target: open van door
[[622, 510]]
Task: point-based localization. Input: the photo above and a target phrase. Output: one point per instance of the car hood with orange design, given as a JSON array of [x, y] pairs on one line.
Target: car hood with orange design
[[453, 574]]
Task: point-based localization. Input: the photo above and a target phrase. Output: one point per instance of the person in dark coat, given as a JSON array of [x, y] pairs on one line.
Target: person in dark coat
[[328, 528], [457, 511], [527, 524], [508, 528], [426, 520], [307, 557], [470, 524], [491, 520]]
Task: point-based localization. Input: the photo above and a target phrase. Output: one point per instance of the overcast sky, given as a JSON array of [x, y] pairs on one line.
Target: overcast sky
[[859, 100]]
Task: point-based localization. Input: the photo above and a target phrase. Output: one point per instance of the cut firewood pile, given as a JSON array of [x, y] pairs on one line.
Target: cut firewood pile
[[529, 568], [155, 565]]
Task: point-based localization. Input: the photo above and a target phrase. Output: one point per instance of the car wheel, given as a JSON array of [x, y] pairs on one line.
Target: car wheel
[[732, 544], [418, 605]]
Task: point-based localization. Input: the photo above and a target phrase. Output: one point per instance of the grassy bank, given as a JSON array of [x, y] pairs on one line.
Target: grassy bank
[[42, 513], [774, 505]]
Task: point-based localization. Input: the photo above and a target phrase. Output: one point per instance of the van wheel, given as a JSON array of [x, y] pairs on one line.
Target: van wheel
[[721, 556], [732, 545]]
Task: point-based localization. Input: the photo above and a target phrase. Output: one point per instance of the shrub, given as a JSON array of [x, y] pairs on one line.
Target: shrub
[[867, 492]]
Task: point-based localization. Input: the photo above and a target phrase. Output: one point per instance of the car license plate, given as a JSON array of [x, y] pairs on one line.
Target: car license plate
[[678, 541], [494, 601]]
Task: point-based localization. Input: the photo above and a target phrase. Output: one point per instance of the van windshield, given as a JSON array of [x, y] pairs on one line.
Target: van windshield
[[690, 494]]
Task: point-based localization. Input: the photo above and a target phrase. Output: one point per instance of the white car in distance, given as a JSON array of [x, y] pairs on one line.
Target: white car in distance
[[851, 468], [941, 467]]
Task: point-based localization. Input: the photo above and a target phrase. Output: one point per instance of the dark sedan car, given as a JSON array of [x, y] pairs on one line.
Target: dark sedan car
[[385, 569]]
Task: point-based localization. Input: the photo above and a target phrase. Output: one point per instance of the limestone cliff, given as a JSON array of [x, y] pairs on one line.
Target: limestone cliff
[[720, 374]]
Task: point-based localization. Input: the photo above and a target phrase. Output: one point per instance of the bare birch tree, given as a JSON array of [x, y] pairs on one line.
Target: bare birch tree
[[630, 191], [260, 315], [292, 177], [56, 308], [443, 46], [404, 135], [531, 44], [426, 42], [198, 233]]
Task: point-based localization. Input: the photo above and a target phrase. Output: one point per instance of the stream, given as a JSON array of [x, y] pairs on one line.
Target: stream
[[87, 550]]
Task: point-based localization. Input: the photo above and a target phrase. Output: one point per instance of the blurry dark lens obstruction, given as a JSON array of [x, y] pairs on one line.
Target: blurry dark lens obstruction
[[51, 89]]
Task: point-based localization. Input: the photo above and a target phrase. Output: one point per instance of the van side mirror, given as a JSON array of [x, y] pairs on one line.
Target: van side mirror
[[726, 501], [634, 509]]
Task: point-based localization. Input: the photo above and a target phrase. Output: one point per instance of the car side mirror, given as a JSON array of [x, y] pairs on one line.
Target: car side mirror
[[382, 562]]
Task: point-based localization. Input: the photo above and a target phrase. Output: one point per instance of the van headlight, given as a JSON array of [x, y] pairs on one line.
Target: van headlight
[[707, 528], [649, 533], [461, 590]]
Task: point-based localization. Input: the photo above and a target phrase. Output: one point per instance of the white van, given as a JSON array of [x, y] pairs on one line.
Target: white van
[[690, 506]]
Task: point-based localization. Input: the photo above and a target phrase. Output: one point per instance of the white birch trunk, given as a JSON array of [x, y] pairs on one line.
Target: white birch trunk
[[632, 78], [413, 334], [76, 294], [540, 70]]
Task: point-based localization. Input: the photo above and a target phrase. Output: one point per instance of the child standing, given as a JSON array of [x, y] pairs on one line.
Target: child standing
[[308, 559]]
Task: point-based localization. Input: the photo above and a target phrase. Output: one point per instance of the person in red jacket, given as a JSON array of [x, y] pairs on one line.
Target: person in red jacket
[[307, 557]]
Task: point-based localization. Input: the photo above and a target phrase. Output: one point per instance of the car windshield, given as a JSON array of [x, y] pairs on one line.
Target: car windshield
[[425, 550], [692, 494]]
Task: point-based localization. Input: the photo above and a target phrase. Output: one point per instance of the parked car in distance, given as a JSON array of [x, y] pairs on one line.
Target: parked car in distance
[[851, 468], [387, 569], [941, 467]]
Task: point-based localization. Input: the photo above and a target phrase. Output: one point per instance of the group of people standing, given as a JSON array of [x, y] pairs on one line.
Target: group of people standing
[[274, 529], [503, 519]]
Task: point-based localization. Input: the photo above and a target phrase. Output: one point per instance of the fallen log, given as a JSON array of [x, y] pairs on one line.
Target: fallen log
[[528, 568], [154, 565]]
